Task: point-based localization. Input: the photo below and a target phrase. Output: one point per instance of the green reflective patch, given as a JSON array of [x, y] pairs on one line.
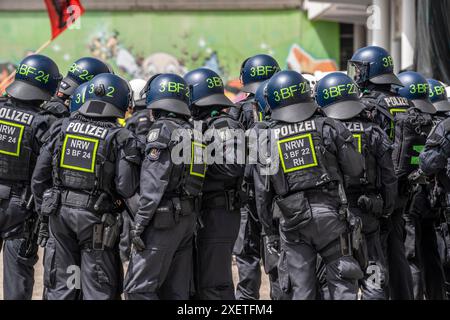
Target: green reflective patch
[[297, 153], [10, 138], [197, 169], [394, 111], [358, 140], [416, 160], [79, 153]]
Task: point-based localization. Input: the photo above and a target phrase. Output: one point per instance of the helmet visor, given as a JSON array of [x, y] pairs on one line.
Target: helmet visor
[[358, 71]]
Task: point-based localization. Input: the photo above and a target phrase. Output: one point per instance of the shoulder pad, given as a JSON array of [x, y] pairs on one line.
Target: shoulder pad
[[122, 135], [53, 132], [378, 136], [160, 134], [338, 127], [438, 132]]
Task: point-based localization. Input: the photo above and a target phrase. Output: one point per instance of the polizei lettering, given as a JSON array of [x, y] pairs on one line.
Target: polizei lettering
[[354, 126], [289, 130], [393, 102], [87, 129], [16, 116]]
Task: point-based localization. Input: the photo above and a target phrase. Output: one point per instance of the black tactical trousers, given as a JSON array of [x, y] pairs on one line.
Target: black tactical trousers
[[373, 285], [248, 255], [443, 242], [125, 242], [215, 243], [392, 240], [297, 265], [422, 249], [164, 269], [18, 269], [72, 268]]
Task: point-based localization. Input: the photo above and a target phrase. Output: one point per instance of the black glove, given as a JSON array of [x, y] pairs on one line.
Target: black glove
[[365, 203], [136, 239], [273, 244], [43, 233], [371, 204]]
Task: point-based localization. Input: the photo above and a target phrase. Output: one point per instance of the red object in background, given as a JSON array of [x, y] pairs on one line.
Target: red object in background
[[62, 13]]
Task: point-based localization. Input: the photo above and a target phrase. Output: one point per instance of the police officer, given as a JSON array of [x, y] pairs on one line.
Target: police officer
[[161, 264], [411, 131], [302, 182], [36, 81], [373, 194], [372, 68], [439, 98], [87, 167], [252, 246], [139, 122], [254, 72], [434, 163], [248, 255], [220, 214], [80, 71]]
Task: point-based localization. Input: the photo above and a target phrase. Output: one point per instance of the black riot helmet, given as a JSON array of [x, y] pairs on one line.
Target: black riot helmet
[[372, 64], [37, 78], [438, 96], [338, 96], [417, 90], [168, 92], [107, 95], [289, 97], [206, 89], [257, 69], [81, 71]]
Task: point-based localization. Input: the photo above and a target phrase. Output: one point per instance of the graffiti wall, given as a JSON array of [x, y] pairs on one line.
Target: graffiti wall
[[139, 45]]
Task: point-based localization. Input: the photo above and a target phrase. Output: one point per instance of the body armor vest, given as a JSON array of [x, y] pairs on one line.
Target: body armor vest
[[84, 160], [304, 162], [213, 183], [186, 178], [411, 131], [368, 180], [17, 131], [387, 106]]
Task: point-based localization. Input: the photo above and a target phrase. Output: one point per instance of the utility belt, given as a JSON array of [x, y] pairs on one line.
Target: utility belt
[[180, 205], [326, 195], [53, 198], [171, 209], [228, 199]]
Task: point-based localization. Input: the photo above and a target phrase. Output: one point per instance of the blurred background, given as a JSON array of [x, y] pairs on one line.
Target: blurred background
[[142, 37]]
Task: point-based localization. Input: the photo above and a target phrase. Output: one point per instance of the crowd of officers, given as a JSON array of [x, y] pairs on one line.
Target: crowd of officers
[[352, 202]]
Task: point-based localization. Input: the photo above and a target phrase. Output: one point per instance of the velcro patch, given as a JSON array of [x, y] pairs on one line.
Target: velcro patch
[[297, 153], [79, 153], [10, 138], [153, 135]]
